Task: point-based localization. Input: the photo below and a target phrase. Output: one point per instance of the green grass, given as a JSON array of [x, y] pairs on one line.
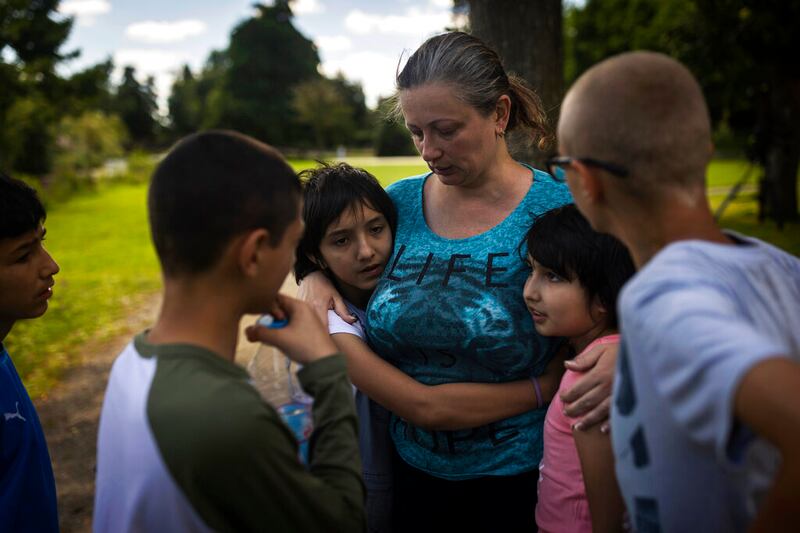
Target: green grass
[[727, 172], [387, 170], [742, 216], [721, 172], [108, 267]]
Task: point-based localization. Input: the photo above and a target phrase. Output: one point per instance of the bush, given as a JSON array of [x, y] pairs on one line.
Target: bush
[[84, 144], [140, 166], [393, 139], [26, 135]]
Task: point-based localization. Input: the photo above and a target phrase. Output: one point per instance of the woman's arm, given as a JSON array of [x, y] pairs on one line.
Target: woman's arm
[[317, 290], [449, 406], [597, 463]]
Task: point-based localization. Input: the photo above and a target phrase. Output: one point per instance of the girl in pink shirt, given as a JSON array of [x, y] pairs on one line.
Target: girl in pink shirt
[[576, 274]]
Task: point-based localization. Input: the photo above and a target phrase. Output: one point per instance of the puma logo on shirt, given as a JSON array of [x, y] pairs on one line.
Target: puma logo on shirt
[[9, 416]]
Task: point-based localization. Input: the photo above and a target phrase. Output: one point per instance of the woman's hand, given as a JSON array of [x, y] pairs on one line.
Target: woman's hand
[[317, 290], [591, 394]]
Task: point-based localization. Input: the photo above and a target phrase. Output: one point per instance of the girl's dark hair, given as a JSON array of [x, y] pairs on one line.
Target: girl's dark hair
[[477, 76], [563, 241], [21, 210], [327, 191]]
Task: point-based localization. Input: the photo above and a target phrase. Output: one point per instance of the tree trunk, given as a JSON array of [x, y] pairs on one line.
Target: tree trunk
[[783, 152], [528, 37]]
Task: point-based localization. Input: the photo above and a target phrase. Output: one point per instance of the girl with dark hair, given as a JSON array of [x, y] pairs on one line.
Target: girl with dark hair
[[571, 292], [448, 308]]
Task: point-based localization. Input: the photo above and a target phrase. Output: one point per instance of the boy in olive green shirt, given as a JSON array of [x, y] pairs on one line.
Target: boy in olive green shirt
[[185, 442]]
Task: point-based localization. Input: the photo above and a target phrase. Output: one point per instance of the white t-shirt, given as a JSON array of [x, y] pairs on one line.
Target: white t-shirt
[[337, 325], [374, 441], [694, 321]]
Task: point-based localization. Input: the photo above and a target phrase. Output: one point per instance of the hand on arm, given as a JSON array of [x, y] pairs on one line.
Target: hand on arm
[[590, 397], [450, 406], [317, 289], [768, 402]]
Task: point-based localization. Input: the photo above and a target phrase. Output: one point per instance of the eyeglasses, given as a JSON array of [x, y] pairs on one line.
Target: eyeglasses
[[559, 162]]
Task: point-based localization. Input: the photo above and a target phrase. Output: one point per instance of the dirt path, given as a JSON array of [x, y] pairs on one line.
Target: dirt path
[[71, 412]]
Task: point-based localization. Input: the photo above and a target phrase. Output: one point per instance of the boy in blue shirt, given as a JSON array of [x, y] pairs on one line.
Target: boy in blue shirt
[[27, 486], [706, 407]]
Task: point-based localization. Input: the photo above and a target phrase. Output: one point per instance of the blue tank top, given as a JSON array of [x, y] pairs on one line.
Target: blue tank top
[[451, 310]]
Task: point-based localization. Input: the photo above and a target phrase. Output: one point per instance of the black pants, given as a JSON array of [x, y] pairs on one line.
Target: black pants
[[489, 504]]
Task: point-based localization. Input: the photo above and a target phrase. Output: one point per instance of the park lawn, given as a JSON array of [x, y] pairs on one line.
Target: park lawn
[[108, 266], [386, 170], [721, 172], [727, 172], [741, 216]]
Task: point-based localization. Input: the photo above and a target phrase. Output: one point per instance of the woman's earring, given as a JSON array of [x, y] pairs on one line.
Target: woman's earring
[[501, 133]]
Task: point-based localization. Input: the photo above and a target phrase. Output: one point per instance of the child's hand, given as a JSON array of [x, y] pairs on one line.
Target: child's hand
[[303, 339]]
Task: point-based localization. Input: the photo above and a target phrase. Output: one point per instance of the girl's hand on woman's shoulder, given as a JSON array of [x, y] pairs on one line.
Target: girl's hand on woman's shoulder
[[590, 397], [317, 290]]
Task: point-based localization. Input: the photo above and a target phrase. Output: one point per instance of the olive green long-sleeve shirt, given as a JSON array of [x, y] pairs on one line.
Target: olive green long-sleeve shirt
[[186, 443]]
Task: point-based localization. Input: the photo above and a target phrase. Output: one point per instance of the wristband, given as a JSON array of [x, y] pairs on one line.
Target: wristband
[[538, 389]]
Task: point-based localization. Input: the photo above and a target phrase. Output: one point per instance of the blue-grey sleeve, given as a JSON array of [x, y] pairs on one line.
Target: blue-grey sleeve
[[697, 348]]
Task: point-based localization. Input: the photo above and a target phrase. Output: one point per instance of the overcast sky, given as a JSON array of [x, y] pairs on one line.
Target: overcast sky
[[363, 39]]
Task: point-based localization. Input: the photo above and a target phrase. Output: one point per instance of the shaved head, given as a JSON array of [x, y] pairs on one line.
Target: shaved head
[[644, 111]]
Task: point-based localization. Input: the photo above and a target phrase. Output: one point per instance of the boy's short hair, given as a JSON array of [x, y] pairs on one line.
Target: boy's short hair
[[327, 191], [563, 241], [644, 111], [20, 208], [211, 187]]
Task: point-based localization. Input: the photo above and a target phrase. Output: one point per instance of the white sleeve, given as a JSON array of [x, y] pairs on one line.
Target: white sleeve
[[337, 325], [697, 346]]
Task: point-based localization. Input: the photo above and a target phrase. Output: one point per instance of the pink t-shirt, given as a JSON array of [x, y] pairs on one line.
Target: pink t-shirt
[[563, 506]]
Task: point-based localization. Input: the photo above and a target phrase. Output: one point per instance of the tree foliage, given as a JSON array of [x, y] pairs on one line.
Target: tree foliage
[[30, 43], [320, 105], [266, 58], [334, 110], [391, 137], [267, 84], [86, 141], [89, 89], [41, 112], [743, 54], [185, 105], [136, 105]]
